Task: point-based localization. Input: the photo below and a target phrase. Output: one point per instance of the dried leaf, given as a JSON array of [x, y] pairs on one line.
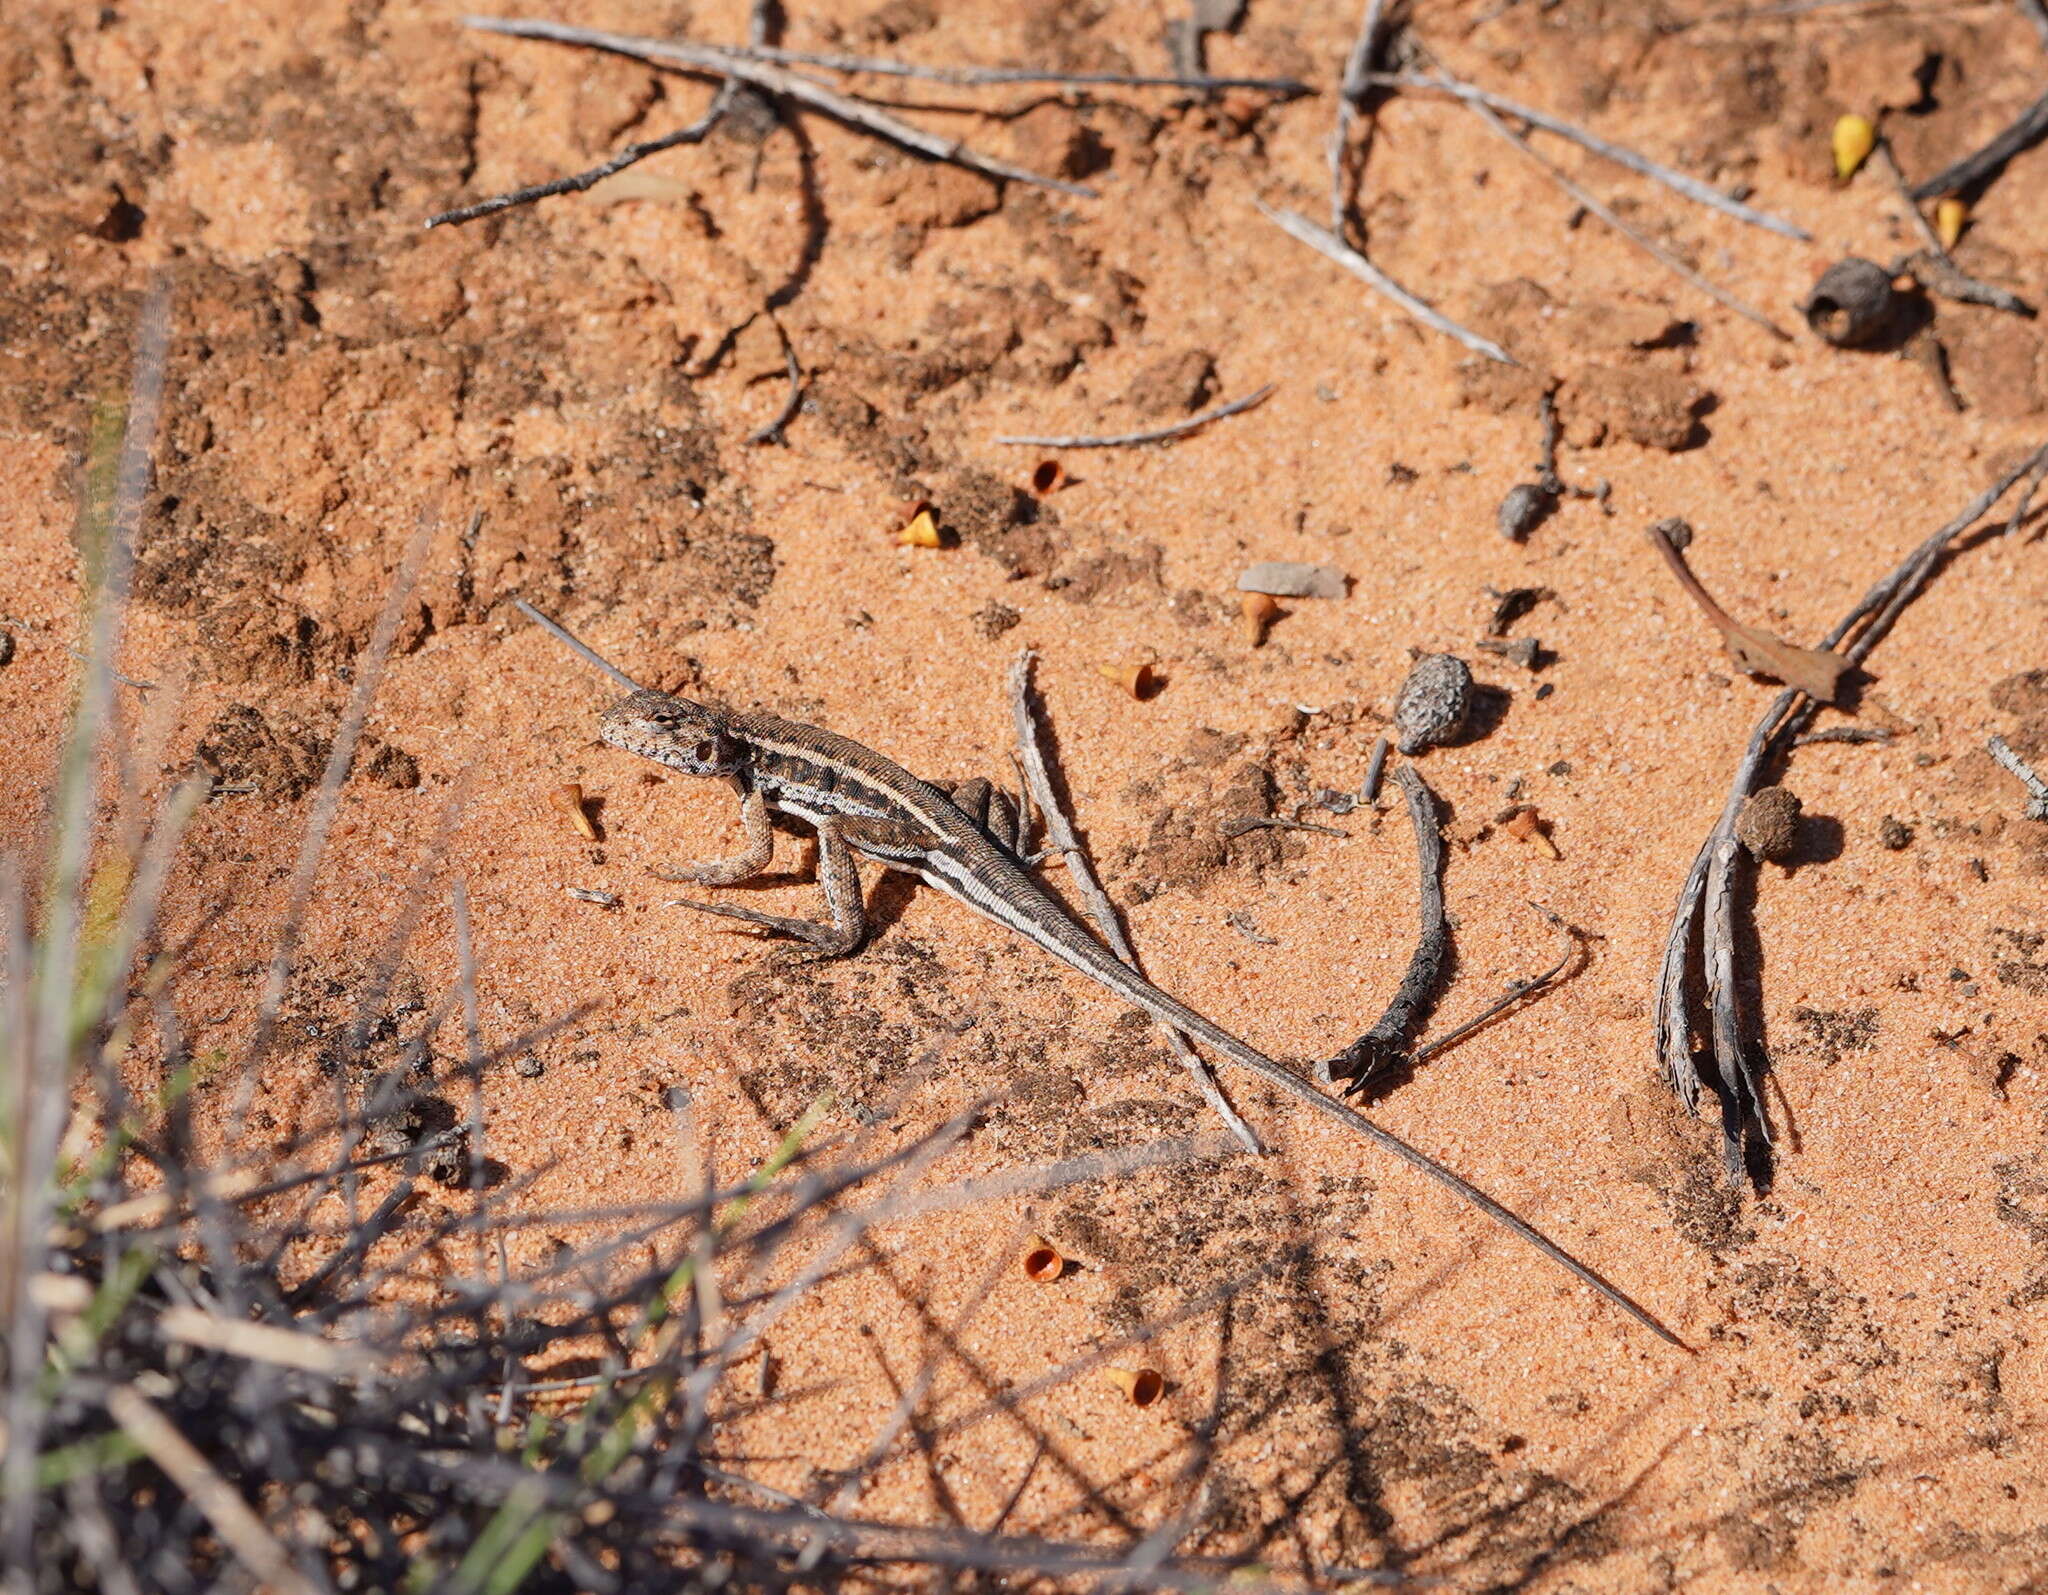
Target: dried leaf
[[1814, 671]]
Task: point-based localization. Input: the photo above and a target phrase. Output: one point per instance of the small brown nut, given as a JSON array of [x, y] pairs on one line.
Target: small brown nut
[[1433, 703], [1141, 1386], [1042, 1261], [1139, 680], [1047, 476], [1260, 611], [1768, 824], [569, 799]]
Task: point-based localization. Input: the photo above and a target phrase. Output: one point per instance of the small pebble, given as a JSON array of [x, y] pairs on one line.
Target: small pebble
[[1527, 506], [528, 1067], [1769, 823], [1434, 702], [1894, 834], [1283, 579]]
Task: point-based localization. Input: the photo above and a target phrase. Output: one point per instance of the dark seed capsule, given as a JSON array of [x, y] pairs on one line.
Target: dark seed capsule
[[1433, 702], [1675, 531], [1852, 303], [1769, 823], [1526, 507]]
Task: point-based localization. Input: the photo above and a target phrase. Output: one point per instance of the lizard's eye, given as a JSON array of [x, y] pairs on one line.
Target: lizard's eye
[[663, 719]]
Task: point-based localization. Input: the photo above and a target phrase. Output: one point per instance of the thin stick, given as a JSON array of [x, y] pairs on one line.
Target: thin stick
[[1642, 241], [1518, 991], [2037, 789], [772, 432], [775, 80], [569, 640], [979, 76], [1060, 834], [2030, 128], [1678, 182], [1305, 231], [240, 1529], [1376, 767], [1385, 1045], [631, 155], [1350, 96], [1124, 440]]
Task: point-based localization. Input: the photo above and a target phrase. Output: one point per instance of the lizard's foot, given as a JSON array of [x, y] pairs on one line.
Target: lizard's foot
[[821, 940]]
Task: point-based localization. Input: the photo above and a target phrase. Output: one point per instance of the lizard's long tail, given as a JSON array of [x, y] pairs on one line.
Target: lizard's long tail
[[1083, 952]]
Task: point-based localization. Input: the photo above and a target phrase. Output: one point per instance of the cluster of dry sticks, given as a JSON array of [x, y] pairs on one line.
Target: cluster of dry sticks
[[1701, 951]]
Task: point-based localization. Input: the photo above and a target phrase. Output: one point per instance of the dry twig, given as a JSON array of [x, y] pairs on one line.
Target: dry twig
[[1124, 440], [1305, 231], [1981, 166], [1678, 182]]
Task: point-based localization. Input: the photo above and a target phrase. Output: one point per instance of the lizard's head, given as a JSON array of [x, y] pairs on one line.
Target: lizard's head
[[683, 735]]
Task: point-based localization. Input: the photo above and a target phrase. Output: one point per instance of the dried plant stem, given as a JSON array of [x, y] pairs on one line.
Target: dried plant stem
[[1350, 100], [1678, 182], [2028, 129], [1328, 244], [240, 1529], [574, 644], [1933, 266], [1385, 1046], [1060, 834], [590, 177], [983, 76], [1642, 241], [1124, 440], [773, 79]]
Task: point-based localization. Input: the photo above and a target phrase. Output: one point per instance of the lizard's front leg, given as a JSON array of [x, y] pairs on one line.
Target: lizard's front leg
[[741, 866], [839, 874]]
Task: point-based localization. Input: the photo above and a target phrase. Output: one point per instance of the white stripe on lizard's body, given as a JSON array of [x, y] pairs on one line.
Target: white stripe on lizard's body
[[862, 804]]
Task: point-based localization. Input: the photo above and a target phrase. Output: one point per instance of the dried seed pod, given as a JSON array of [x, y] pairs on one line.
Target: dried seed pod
[[1141, 1386], [1852, 304], [1047, 477], [1854, 138], [1138, 679], [569, 799], [1042, 1261], [1433, 703], [1526, 825], [922, 531], [1768, 824], [1949, 217], [1260, 611], [1527, 506]]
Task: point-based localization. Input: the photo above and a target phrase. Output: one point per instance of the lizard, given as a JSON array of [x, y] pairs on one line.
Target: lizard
[[962, 838]]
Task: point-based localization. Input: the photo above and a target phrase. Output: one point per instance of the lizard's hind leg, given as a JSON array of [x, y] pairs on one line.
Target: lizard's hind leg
[[839, 874]]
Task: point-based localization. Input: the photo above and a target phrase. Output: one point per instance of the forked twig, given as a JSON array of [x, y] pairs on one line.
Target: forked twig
[[704, 58], [1123, 440], [1305, 231], [772, 432], [1060, 834]]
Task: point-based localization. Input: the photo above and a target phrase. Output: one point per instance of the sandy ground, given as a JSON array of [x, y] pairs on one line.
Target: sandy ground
[[570, 386]]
